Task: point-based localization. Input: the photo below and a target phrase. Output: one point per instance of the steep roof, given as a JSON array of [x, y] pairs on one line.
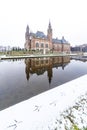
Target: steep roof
[[56, 40], [38, 34]]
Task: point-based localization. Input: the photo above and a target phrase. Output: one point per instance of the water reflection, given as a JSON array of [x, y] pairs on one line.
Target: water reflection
[[40, 65], [21, 79]]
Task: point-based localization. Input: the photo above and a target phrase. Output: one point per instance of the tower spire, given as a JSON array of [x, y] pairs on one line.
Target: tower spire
[[27, 29], [27, 33], [49, 25], [27, 38], [49, 32]]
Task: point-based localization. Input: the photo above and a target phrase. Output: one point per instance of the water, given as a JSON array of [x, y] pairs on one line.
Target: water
[[25, 78]]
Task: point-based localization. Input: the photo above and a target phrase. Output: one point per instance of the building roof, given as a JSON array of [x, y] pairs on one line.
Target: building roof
[[56, 40], [39, 34]]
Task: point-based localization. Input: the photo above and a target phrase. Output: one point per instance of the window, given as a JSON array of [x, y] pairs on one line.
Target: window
[[37, 62], [42, 62], [46, 61], [46, 45], [37, 44], [42, 45]]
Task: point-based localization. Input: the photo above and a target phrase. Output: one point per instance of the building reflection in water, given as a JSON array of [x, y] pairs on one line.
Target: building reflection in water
[[40, 65]]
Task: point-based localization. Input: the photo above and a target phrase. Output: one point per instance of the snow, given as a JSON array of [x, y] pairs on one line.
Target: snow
[[47, 110]]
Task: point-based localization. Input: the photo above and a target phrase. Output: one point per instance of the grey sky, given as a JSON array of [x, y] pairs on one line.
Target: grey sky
[[68, 18]]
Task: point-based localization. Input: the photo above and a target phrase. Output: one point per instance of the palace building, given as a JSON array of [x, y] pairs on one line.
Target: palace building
[[45, 43]]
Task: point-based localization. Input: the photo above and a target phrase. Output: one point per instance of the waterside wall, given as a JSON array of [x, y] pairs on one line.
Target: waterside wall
[[43, 112]]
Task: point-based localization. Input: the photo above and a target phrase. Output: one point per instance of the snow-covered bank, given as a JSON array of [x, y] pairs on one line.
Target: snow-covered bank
[[75, 117], [45, 111]]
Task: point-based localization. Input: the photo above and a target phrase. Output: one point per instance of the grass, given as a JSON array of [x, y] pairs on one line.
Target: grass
[[15, 53], [75, 127], [24, 52]]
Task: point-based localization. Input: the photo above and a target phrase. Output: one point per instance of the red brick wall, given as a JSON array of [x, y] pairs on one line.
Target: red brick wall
[[39, 40], [61, 47]]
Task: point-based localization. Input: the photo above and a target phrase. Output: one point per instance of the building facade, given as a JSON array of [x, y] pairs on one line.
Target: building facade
[[45, 43]]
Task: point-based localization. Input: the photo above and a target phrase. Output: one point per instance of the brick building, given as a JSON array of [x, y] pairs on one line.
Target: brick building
[[45, 43]]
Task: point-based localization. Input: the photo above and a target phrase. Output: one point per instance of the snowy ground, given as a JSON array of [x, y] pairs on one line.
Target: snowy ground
[[57, 109]]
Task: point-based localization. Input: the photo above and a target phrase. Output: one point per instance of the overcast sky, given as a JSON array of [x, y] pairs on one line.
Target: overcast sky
[[68, 18]]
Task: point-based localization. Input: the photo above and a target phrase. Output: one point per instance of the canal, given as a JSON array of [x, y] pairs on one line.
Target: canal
[[21, 79]]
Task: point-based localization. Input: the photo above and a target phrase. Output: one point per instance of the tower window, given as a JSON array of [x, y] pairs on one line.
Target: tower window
[[37, 44]]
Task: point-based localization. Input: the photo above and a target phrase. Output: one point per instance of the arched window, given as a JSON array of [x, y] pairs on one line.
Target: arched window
[[42, 45], [46, 45], [37, 44]]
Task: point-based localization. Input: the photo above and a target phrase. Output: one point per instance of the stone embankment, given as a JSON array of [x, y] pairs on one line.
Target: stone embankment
[[81, 57], [61, 108], [4, 57]]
